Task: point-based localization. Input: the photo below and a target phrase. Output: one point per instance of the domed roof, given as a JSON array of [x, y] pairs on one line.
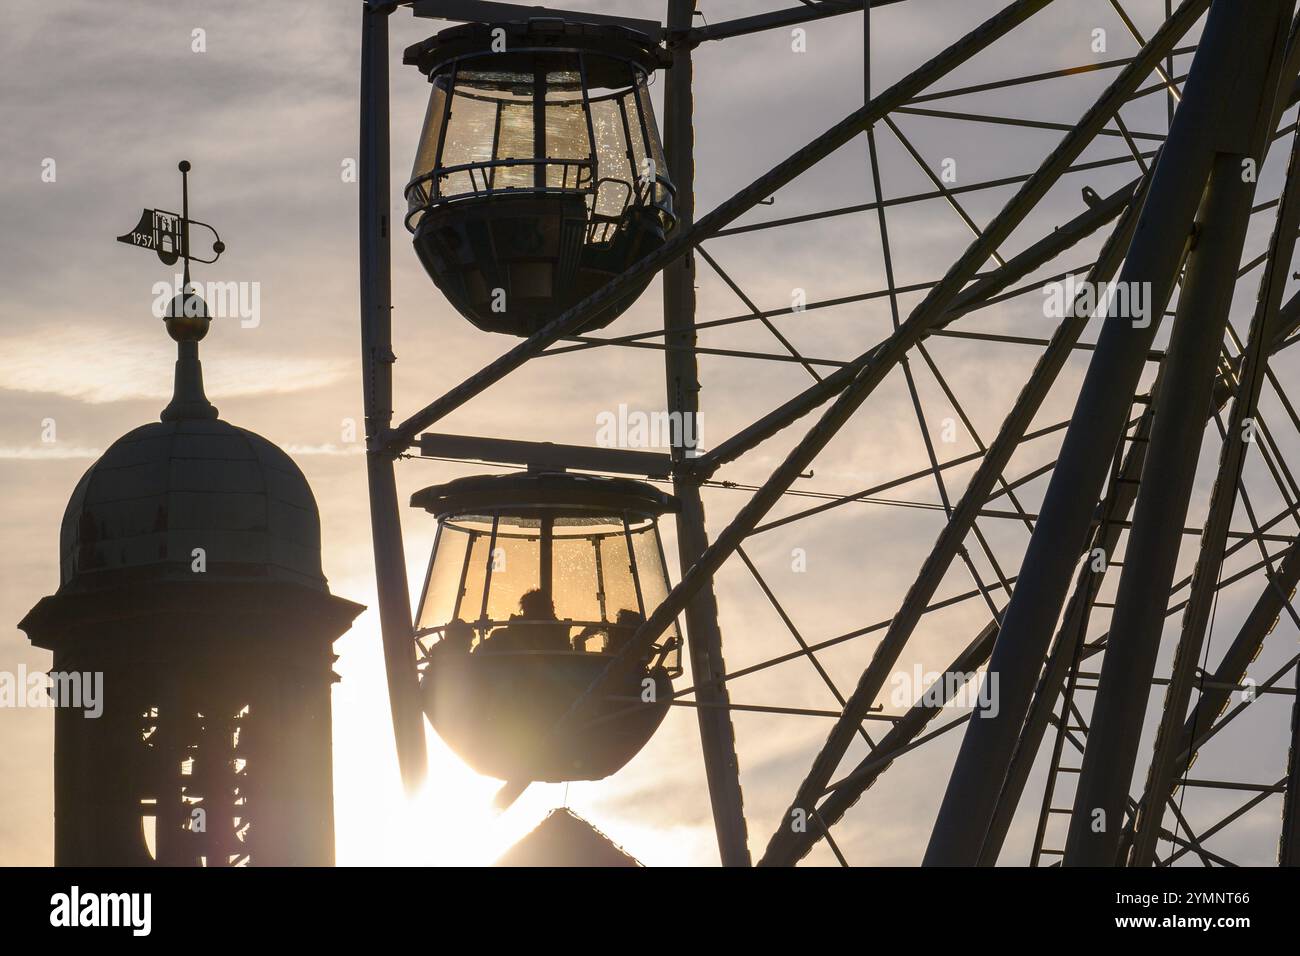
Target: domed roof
[[189, 489], [169, 487]]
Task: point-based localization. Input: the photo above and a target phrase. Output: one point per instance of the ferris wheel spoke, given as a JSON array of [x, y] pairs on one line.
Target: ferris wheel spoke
[[1167, 81], [1069, 71], [938, 183], [830, 840], [644, 340], [912, 198], [758, 314], [640, 343], [903, 737], [981, 292], [935, 470], [1232, 817], [977, 490], [931, 311], [1016, 121], [967, 303], [866, 494], [1131, 143], [799, 639], [1007, 488], [834, 641], [937, 473]]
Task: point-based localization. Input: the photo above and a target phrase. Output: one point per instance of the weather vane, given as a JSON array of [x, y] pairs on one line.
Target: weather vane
[[187, 317], [168, 234]]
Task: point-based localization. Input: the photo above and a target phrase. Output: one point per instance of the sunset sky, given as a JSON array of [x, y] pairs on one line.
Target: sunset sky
[[115, 95]]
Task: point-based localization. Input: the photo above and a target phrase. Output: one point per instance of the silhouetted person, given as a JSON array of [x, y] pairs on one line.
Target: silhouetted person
[[621, 631], [534, 628], [457, 638], [446, 659]]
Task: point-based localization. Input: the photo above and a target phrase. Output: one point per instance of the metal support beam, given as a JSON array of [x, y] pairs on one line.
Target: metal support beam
[[1100, 414], [846, 792], [1058, 664], [1255, 37], [546, 456], [1288, 847], [704, 637], [1209, 565], [1069, 635], [377, 371]]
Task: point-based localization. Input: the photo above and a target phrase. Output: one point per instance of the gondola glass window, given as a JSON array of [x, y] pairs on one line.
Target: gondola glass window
[[535, 584], [539, 175], [595, 569]]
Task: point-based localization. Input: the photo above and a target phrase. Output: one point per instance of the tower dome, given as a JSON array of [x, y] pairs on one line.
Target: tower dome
[[168, 488], [190, 488]]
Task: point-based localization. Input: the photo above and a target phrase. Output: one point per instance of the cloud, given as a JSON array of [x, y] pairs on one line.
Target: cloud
[[96, 364], [327, 449], [54, 451]]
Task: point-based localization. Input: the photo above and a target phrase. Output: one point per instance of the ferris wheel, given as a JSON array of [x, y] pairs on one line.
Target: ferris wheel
[[1081, 433]]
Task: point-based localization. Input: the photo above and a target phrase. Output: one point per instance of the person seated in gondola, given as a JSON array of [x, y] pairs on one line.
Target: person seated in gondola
[[457, 639], [621, 631], [616, 635], [534, 628], [448, 657]]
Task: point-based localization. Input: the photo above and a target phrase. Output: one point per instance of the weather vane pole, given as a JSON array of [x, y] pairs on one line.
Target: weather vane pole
[[184, 167]]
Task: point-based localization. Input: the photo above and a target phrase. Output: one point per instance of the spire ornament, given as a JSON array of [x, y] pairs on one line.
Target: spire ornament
[[187, 318]]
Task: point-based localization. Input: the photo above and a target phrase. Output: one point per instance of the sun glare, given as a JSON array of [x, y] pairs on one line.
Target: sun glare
[[451, 820]]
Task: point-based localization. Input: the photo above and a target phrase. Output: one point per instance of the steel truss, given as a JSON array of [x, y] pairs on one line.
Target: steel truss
[[1117, 493]]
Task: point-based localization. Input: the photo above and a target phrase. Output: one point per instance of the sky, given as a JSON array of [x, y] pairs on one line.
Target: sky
[[100, 102]]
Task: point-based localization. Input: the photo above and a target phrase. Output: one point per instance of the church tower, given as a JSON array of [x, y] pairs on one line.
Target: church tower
[[191, 581]]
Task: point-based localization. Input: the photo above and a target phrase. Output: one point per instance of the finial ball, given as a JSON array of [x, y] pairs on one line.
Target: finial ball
[[184, 166], [187, 318]]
